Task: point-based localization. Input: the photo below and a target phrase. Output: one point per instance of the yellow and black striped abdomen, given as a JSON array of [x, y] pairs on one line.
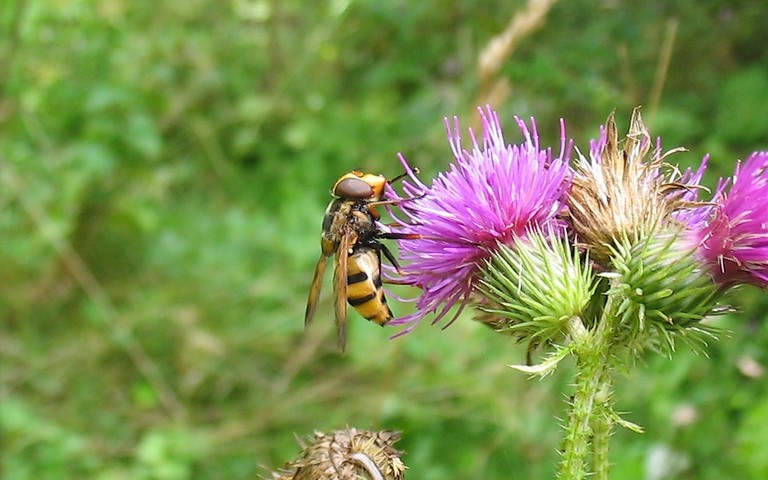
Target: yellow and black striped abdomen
[[364, 290]]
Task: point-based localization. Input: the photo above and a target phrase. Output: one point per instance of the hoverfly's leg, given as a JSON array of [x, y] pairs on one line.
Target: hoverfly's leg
[[399, 282], [388, 253], [418, 236], [394, 201], [400, 236], [393, 224], [399, 225]]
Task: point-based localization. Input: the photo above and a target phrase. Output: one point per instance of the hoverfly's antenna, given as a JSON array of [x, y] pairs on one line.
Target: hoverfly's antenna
[[403, 175]]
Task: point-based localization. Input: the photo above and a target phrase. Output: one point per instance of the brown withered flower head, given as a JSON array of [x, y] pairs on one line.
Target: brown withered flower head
[[347, 455], [625, 194]]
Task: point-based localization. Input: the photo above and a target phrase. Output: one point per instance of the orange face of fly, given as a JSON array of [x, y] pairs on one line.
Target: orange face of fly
[[357, 185]]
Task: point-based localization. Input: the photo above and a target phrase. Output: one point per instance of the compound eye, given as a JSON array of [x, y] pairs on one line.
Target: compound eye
[[353, 188]]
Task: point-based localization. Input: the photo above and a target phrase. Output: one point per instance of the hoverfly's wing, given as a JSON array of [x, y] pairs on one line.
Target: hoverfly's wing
[[314, 291], [348, 240]]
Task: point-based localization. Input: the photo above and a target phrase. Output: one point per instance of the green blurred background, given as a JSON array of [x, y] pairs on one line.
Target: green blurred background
[[165, 167]]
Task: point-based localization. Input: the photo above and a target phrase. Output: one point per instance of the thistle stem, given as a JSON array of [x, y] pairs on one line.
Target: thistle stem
[[602, 426], [593, 389]]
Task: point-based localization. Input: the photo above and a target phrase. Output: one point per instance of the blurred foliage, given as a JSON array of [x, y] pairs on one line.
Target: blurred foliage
[[164, 171]]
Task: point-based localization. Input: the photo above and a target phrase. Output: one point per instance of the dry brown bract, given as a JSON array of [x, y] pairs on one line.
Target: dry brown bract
[[619, 194]]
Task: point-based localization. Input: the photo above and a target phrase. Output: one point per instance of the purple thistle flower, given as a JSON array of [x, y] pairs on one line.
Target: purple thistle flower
[[735, 239], [492, 194]]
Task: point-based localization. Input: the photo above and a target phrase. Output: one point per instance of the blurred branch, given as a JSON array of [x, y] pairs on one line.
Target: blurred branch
[[78, 269], [662, 68], [14, 39], [302, 356], [276, 24], [625, 73], [205, 133], [494, 90]]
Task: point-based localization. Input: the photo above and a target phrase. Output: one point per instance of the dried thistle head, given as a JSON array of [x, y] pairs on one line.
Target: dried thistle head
[[347, 455], [624, 194]]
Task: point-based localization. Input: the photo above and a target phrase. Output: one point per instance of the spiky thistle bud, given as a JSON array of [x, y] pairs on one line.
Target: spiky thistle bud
[[623, 193], [666, 292], [534, 287], [347, 455]]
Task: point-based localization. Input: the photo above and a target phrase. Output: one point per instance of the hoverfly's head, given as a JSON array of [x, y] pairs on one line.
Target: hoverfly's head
[[359, 186]]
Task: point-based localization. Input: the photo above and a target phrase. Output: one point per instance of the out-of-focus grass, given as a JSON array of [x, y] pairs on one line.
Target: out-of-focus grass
[[164, 171]]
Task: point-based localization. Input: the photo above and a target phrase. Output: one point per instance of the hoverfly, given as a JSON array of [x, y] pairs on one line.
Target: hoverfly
[[350, 232]]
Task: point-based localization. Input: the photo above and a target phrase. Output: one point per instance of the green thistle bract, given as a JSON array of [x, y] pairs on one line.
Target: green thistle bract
[[534, 287]]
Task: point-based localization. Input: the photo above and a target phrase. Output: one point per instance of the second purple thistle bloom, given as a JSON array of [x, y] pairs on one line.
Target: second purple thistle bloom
[[734, 241], [493, 193]]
